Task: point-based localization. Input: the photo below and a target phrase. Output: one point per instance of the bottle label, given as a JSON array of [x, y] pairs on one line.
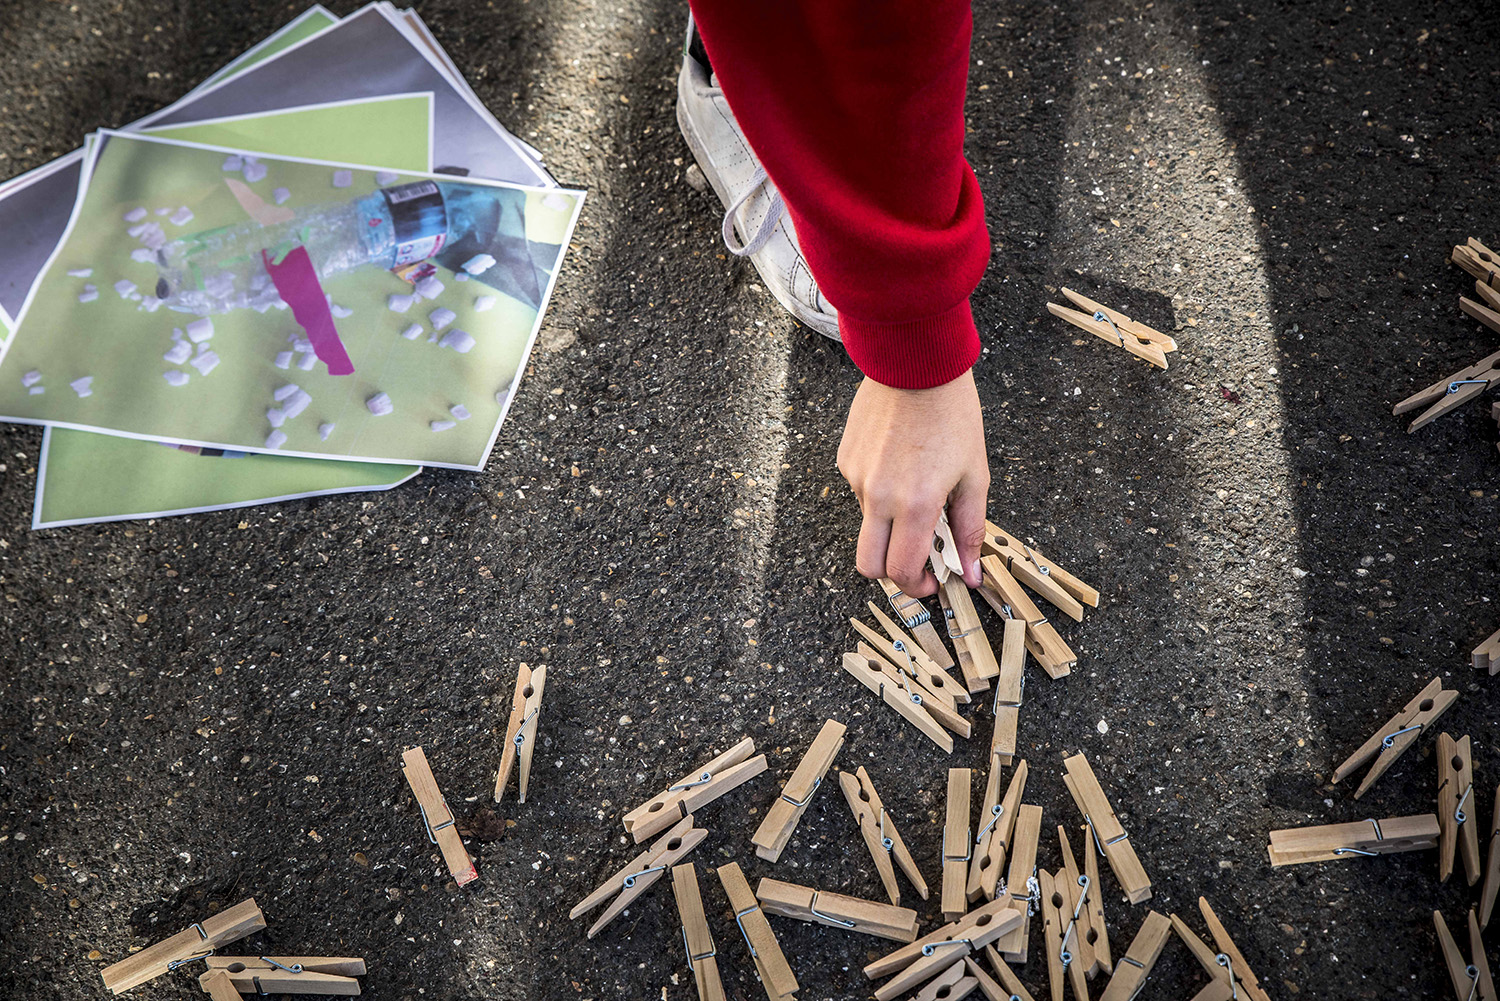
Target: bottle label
[[420, 219]]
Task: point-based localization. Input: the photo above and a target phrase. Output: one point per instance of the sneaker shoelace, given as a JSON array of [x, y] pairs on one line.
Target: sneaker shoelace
[[768, 224]]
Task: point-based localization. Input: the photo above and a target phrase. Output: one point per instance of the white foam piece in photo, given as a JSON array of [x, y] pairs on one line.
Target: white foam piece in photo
[[143, 255], [280, 195], [124, 287], [203, 349], [235, 163], [479, 264], [139, 230], [429, 288], [412, 332], [179, 354], [150, 303], [181, 217], [324, 430], [441, 317], [200, 330], [298, 403], [399, 303], [89, 294], [442, 425], [460, 276], [276, 439], [484, 303], [343, 178], [340, 312], [301, 344], [176, 333], [386, 177], [175, 377], [135, 215], [254, 172], [81, 273], [205, 362], [283, 360], [308, 362], [459, 411], [166, 211], [380, 404], [458, 340], [36, 390], [31, 378], [276, 416], [282, 392], [82, 386]]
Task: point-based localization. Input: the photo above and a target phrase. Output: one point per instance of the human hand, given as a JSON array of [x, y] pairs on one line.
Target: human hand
[[908, 453]]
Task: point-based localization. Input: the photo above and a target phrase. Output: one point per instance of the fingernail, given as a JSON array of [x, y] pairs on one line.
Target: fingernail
[[974, 570]]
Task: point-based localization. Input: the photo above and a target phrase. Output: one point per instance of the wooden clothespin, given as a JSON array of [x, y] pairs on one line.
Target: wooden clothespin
[[1450, 393], [1236, 971], [1488, 294], [441, 825], [1010, 685], [260, 975], [636, 876], [1487, 654], [697, 940], [1456, 808], [1096, 903], [217, 985], [198, 941], [696, 790], [1491, 868], [770, 963], [1358, 839], [1013, 989], [1392, 740], [781, 819], [910, 658], [903, 694], [937, 951], [1471, 981], [1054, 903], [957, 848], [1110, 837], [1005, 595], [976, 658], [1084, 894], [1479, 261], [992, 843], [915, 616], [880, 834], [1115, 327], [520, 732], [1037, 572], [944, 556], [1135, 966], [1481, 311], [1021, 884], [953, 984], [868, 917]]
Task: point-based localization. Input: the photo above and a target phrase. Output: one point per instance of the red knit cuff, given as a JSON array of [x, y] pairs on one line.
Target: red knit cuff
[[913, 354]]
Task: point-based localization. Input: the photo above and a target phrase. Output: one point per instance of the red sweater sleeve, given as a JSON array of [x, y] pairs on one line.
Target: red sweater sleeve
[[855, 109]]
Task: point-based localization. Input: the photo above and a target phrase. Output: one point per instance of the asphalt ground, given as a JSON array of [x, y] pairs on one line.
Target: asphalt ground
[[205, 708]]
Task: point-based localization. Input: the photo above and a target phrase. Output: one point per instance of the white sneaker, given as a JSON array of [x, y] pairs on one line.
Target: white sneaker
[[753, 206]]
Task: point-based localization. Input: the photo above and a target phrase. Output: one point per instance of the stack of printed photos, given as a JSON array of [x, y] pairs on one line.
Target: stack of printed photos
[[316, 273]]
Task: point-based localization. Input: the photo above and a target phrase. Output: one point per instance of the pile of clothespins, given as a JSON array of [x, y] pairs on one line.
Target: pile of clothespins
[[987, 917], [1464, 385], [228, 977], [1453, 830]]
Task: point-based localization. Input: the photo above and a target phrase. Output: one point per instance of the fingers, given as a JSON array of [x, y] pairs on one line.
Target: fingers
[[874, 538], [966, 511], [906, 555]]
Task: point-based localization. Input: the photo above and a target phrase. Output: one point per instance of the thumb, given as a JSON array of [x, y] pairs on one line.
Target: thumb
[[966, 511]]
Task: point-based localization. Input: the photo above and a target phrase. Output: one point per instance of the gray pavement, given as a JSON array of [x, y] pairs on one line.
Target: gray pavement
[[200, 709]]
